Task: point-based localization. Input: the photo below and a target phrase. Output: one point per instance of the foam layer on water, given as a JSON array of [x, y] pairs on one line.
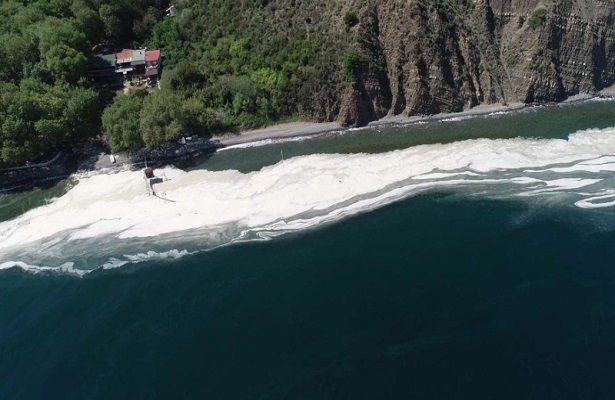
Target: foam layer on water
[[309, 190]]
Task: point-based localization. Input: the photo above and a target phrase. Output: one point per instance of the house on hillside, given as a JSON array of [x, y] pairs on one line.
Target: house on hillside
[[123, 61], [125, 64], [138, 62], [152, 63]]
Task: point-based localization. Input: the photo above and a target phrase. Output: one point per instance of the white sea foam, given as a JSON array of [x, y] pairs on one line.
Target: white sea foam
[[305, 191], [597, 201], [601, 99], [66, 268], [564, 184], [458, 119], [152, 255], [257, 143], [114, 262]]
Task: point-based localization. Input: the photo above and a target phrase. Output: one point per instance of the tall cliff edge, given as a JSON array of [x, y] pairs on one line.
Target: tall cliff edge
[[444, 56]]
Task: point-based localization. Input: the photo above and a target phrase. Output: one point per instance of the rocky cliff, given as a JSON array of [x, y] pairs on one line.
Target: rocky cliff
[[422, 56]]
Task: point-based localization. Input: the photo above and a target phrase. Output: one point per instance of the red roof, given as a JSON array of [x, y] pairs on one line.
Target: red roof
[[152, 55], [125, 53]]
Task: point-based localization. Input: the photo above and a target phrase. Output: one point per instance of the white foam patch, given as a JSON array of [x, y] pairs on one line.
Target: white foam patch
[[302, 191], [257, 143], [66, 268], [565, 184], [597, 201], [458, 119], [151, 255], [147, 256], [596, 165], [601, 99]]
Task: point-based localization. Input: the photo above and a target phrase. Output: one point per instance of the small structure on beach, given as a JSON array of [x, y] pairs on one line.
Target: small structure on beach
[[151, 180]]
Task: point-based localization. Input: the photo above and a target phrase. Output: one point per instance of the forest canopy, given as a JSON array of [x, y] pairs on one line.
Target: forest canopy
[[46, 99], [225, 68]]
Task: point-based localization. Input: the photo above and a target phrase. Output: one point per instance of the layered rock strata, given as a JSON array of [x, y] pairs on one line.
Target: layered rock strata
[[425, 57]]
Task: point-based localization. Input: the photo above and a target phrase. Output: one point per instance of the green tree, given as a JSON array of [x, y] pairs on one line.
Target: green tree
[[18, 54], [160, 118], [352, 63], [37, 117], [65, 63], [185, 77], [142, 27], [88, 21], [166, 36], [121, 122], [113, 25], [81, 116], [54, 31], [538, 17], [19, 140]]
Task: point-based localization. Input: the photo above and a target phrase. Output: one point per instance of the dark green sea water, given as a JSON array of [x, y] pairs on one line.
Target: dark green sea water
[[452, 293]]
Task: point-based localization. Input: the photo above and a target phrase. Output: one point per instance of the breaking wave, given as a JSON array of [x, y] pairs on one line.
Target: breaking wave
[[200, 210]]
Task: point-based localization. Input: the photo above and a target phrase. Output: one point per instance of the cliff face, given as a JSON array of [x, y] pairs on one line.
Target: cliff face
[[441, 56]]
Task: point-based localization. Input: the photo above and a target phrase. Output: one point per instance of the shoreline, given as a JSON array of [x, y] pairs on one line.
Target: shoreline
[[173, 153], [300, 129]]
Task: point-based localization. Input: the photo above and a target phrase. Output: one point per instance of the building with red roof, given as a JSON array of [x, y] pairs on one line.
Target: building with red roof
[[153, 59], [127, 63]]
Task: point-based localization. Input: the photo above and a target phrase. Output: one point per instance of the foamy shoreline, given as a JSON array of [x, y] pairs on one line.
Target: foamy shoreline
[[303, 129], [295, 194], [101, 163]]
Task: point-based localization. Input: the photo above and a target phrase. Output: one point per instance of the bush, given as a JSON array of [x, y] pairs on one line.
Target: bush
[[351, 64], [350, 20], [120, 122], [538, 18], [520, 21]]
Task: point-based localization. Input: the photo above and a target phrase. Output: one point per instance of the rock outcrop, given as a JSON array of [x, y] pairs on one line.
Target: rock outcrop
[[443, 56]]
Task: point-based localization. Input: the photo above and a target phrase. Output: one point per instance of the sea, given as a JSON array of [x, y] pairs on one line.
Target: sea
[[466, 258]]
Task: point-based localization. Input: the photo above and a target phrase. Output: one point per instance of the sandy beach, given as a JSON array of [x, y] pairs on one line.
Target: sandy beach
[[292, 129], [296, 129]]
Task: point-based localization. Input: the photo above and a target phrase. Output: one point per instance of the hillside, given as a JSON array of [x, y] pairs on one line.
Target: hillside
[[236, 65], [357, 60], [452, 55]]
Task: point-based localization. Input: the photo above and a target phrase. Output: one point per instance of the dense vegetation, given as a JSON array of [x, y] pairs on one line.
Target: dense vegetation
[[227, 66], [249, 62], [46, 102]]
